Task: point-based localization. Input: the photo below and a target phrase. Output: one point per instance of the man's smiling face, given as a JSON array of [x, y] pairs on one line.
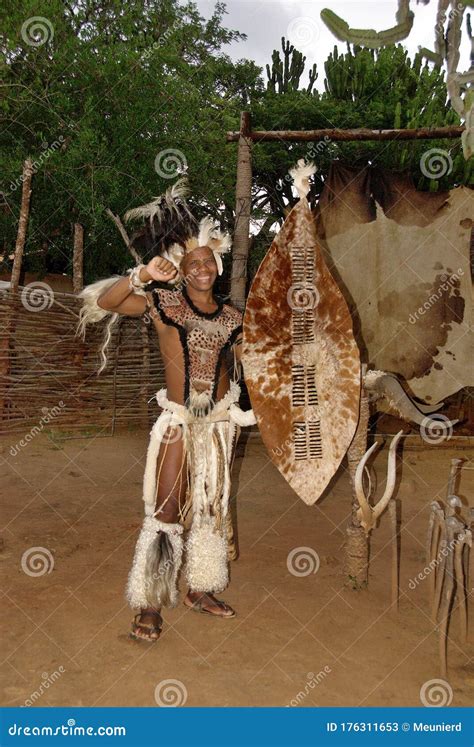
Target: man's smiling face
[[199, 268]]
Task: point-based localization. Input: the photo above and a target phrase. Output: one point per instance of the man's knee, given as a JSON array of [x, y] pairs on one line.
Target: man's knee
[[167, 510]]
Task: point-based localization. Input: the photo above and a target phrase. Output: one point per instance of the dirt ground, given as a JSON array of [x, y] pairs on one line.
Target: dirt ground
[[297, 639]]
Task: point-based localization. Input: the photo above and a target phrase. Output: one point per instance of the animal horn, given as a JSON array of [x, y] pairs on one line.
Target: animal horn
[[388, 386], [391, 476], [367, 514], [364, 513]]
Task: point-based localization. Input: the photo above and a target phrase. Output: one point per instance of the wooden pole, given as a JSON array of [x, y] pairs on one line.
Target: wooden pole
[[242, 214], [9, 322], [78, 259], [417, 133], [356, 550], [124, 235], [22, 225], [145, 337], [395, 543]]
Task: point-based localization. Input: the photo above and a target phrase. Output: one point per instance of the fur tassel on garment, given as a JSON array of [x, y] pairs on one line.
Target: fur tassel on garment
[[206, 561], [91, 313], [152, 581]]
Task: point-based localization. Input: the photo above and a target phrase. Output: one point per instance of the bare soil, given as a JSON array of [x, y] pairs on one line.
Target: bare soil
[[65, 631]]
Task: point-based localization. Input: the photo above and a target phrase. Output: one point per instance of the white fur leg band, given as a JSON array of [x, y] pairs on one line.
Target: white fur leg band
[[206, 558], [152, 581]]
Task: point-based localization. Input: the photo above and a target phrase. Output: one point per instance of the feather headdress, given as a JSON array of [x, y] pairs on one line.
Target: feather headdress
[[172, 231]]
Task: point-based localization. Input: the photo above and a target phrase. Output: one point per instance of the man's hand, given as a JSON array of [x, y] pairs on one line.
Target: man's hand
[[159, 269]]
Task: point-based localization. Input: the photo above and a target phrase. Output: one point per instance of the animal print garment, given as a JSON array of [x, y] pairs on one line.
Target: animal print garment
[[205, 337]]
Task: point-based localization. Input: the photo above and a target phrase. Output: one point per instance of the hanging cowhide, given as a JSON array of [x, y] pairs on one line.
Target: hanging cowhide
[[301, 362]]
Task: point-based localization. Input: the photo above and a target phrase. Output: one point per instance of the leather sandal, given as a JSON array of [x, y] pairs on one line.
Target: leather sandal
[[200, 606], [147, 627]]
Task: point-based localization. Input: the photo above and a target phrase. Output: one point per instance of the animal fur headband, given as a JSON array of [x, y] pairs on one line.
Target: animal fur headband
[[172, 231]]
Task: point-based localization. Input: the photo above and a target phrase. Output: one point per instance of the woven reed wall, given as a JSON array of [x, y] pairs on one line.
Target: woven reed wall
[[43, 364]]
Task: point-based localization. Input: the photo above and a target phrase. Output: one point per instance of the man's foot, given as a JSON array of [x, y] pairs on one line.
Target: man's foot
[[146, 625], [205, 602]]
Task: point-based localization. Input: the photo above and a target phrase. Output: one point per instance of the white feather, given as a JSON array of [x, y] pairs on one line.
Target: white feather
[[179, 190], [209, 231], [300, 174]]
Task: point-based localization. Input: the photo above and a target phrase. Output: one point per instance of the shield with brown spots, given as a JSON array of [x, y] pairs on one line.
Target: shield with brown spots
[[300, 358]]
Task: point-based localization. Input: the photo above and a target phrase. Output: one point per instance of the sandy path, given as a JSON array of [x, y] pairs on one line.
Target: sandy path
[[81, 500]]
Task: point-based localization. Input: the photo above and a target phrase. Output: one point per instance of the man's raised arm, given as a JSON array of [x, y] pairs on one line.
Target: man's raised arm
[[121, 296]]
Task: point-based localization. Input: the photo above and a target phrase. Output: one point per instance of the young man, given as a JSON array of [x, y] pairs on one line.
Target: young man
[[192, 442]]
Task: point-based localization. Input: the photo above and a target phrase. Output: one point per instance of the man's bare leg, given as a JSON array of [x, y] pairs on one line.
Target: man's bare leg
[[171, 493], [205, 601]]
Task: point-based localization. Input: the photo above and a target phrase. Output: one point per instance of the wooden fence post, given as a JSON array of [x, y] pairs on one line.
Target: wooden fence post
[[78, 259], [242, 214], [9, 324]]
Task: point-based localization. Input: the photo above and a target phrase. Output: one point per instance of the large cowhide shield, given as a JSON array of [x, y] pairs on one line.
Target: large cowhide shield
[[301, 362]]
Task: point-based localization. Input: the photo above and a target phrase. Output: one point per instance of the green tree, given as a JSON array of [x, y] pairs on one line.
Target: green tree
[[115, 102], [374, 89]]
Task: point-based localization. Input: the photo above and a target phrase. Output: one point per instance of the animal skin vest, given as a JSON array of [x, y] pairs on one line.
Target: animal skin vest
[[205, 337]]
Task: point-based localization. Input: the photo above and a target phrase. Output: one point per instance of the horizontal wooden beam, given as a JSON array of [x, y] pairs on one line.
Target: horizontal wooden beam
[[418, 133]]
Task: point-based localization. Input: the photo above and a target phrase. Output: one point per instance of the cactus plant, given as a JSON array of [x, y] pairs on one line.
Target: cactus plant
[[446, 49]]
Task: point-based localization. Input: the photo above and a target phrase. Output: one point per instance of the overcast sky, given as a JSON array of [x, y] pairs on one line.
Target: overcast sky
[[266, 21]]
